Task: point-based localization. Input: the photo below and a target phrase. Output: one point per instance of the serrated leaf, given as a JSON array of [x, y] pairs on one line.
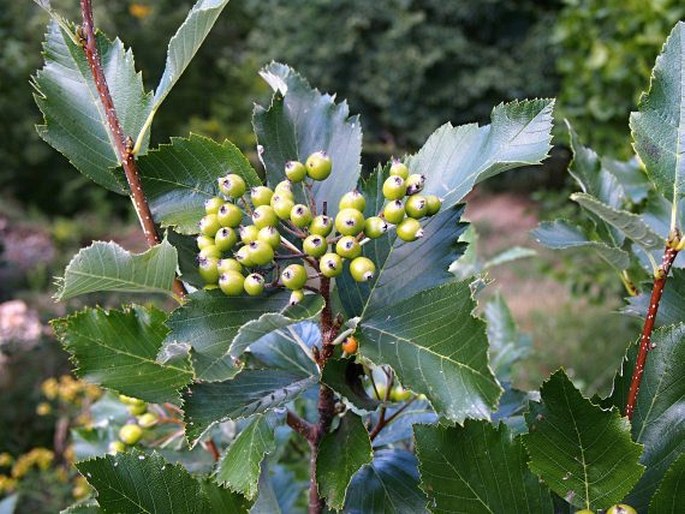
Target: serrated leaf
[[116, 349], [477, 468], [582, 452], [75, 122], [279, 491], [389, 485], [289, 349], [300, 121], [630, 175], [672, 304], [507, 345], [659, 418], [344, 377], [658, 128], [668, 498], [240, 466], [180, 176], [437, 348], [108, 267], [87, 507], [341, 454]]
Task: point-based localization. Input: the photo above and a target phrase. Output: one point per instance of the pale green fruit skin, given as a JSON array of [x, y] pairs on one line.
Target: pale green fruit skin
[[399, 169], [130, 400], [409, 230], [231, 283], [209, 225], [296, 297], [232, 185], [264, 216], [261, 195], [225, 239], [208, 270], [210, 252], [399, 394], [415, 183], [315, 245], [295, 171], [621, 508], [284, 187], [348, 247], [416, 206], [433, 205], [282, 205], [248, 234], [331, 265], [130, 434], [212, 205], [243, 256], [254, 284], [352, 200], [116, 447], [225, 265], [321, 225], [394, 188], [147, 420], [230, 215], [294, 276], [585, 511], [375, 227], [204, 241], [137, 410], [319, 166], [349, 222], [300, 215], [362, 269], [394, 212], [260, 253], [270, 236]]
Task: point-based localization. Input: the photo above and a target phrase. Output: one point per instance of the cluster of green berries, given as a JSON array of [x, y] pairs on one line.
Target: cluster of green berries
[[131, 433]]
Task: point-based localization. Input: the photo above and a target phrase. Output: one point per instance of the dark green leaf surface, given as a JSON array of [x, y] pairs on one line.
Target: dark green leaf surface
[[671, 306], [289, 349], [507, 344], [340, 456], [477, 469], [582, 452], [117, 350], [670, 495], [344, 377]]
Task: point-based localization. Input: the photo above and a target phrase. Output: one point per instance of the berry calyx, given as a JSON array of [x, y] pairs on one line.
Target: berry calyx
[[621, 508], [225, 239], [415, 183], [270, 236], [394, 188], [294, 276], [398, 169], [362, 269], [315, 245], [209, 225], [225, 265], [231, 283], [393, 212], [433, 205], [254, 284], [212, 205], [416, 206], [321, 225], [147, 420], [207, 267], [350, 345], [260, 195], [375, 227], [295, 171], [349, 222], [232, 185], [352, 200], [260, 253], [243, 256], [264, 216], [130, 434], [319, 165], [348, 247], [229, 215], [300, 215], [204, 241], [210, 252], [331, 265], [409, 230], [248, 234], [296, 297], [282, 205]]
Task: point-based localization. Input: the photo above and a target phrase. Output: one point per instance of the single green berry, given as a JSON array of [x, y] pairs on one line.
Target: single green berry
[[295, 171], [353, 200], [296, 296], [230, 215], [294, 276], [349, 222], [319, 165], [212, 205], [130, 434], [264, 216], [243, 256], [375, 227], [116, 447], [321, 225], [399, 394], [415, 183], [210, 252], [621, 508], [130, 400], [147, 420], [348, 247], [260, 195], [270, 236], [409, 230], [433, 205], [394, 188], [209, 225], [315, 245], [398, 169], [137, 410], [225, 265], [362, 269], [284, 187], [204, 241], [300, 215], [282, 205], [331, 265], [232, 185], [231, 283], [225, 239], [254, 284], [260, 253], [207, 268], [248, 234], [416, 206], [393, 212]]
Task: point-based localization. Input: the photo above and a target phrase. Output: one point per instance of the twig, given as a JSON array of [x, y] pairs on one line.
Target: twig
[[301, 426], [210, 446], [384, 422]]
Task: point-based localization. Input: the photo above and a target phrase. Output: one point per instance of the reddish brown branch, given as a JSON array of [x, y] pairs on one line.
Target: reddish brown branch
[[210, 446], [301, 426]]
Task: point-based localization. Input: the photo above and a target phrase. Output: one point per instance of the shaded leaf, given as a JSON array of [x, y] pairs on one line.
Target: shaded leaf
[[344, 376], [289, 349], [401, 429], [630, 175], [507, 344], [279, 491], [668, 498], [672, 304]]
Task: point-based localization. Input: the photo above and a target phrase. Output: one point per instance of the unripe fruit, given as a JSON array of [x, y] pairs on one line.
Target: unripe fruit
[[264, 216], [260, 195], [260, 253], [207, 267], [254, 284], [296, 297], [225, 239], [210, 252], [331, 265], [399, 394], [375, 227], [248, 234], [295, 171], [321, 225], [621, 508], [282, 205], [212, 205], [130, 434], [362, 269], [415, 183], [399, 169], [225, 265], [350, 345], [380, 391], [416, 206], [270, 236], [394, 188], [585, 511], [348, 247], [209, 225], [349, 222], [231, 283], [147, 420], [116, 447], [243, 256], [294, 276], [137, 410], [433, 205], [300, 215], [409, 230], [130, 400], [284, 187], [393, 212], [353, 200], [232, 185], [319, 165], [204, 241], [315, 245], [229, 215]]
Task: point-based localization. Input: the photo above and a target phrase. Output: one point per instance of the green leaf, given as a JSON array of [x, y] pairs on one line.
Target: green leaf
[[477, 468], [180, 176], [340, 456], [668, 499], [300, 121], [108, 267], [437, 348], [344, 376], [289, 349], [507, 344], [630, 175], [659, 418], [87, 507], [117, 350], [582, 452], [658, 127], [134, 482], [509, 255], [240, 466], [75, 122], [672, 304]]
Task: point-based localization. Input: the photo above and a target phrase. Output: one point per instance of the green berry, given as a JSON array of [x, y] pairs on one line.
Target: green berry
[[296, 296], [264, 216], [260, 195], [353, 200], [349, 222], [130, 400], [270, 236], [260, 253], [209, 225], [225, 239], [394, 188], [210, 252], [254, 284], [295, 171], [231, 283], [321, 225], [300, 215], [294, 276], [207, 267], [409, 230], [621, 508], [331, 265], [399, 169], [212, 205], [393, 212], [225, 265], [315, 245], [433, 205], [248, 234], [147, 420], [130, 434], [232, 185], [116, 447], [282, 205], [230, 215], [204, 241], [416, 206], [348, 247], [375, 227], [362, 269], [243, 256], [415, 184], [137, 410], [319, 165], [284, 187]]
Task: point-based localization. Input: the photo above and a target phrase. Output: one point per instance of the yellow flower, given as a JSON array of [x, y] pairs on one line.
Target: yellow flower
[[50, 388], [43, 409], [139, 11]]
